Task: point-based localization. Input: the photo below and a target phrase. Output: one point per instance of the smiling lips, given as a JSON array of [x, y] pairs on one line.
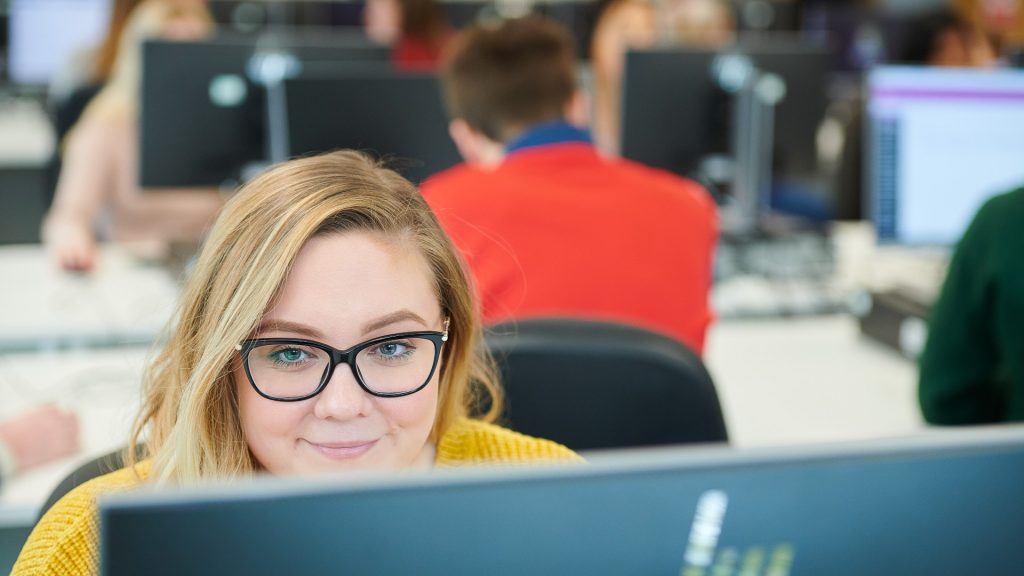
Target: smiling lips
[[342, 450]]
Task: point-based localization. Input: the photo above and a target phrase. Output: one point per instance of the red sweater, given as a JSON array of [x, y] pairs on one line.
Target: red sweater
[[558, 230], [412, 54]]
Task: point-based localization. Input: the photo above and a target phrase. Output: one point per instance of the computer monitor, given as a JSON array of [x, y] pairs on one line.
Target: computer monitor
[[676, 114], [940, 142], [942, 503], [202, 111], [43, 35], [397, 116]]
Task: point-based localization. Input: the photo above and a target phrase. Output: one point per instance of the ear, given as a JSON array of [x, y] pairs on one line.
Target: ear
[[474, 147], [577, 110]]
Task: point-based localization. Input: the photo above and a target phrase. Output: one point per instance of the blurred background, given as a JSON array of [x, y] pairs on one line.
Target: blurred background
[[848, 144]]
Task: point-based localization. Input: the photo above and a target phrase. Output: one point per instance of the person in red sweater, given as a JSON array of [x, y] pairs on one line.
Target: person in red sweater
[[548, 226], [415, 29]]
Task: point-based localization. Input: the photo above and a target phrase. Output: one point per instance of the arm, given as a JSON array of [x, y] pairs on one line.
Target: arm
[[39, 436], [85, 183], [182, 214], [958, 365]]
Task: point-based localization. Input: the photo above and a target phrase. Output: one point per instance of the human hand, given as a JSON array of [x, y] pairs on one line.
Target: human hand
[[73, 246], [40, 435]]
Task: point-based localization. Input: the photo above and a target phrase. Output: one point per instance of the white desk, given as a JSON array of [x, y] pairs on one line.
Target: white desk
[[102, 386], [123, 301], [810, 379]]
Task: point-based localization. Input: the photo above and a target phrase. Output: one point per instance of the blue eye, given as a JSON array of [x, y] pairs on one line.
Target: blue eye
[[288, 356], [394, 352], [391, 349]]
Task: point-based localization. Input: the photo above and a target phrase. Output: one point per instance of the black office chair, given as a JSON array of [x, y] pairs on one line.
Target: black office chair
[[96, 467], [594, 385]]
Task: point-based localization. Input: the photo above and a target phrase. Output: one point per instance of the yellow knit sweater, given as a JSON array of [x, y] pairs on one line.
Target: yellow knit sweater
[[66, 540]]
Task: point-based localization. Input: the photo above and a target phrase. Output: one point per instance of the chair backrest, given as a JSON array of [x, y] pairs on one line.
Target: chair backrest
[[595, 385], [96, 467]]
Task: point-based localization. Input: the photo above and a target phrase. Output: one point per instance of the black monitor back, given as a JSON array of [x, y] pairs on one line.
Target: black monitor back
[[202, 115], [675, 114], [396, 116], [937, 505]]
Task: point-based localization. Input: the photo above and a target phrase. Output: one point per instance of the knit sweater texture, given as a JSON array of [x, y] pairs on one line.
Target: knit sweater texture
[[972, 369], [65, 542]]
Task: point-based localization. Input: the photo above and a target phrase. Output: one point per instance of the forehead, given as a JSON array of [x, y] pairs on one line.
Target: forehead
[[339, 282]]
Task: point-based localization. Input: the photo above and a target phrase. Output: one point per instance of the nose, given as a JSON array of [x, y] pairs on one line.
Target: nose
[[343, 398]]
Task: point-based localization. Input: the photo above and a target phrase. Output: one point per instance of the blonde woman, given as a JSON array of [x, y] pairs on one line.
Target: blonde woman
[[638, 24], [97, 192], [327, 326]]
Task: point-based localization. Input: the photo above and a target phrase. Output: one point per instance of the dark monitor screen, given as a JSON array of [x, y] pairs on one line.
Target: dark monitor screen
[[392, 115], [942, 503], [675, 116], [940, 143], [202, 115]]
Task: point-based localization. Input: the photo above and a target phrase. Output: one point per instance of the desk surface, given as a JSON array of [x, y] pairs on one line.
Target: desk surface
[[124, 301], [102, 386], [810, 379]]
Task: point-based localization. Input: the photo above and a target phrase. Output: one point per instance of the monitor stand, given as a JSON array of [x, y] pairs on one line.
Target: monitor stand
[[756, 94]]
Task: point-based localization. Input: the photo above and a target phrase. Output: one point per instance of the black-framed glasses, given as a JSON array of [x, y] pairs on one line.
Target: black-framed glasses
[[293, 369]]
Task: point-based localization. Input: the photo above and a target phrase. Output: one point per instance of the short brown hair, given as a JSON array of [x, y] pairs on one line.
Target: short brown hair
[[504, 78]]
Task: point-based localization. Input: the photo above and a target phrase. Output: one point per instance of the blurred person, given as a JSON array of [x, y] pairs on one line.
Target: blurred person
[[625, 25], [941, 39], [36, 437], [97, 192], [697, 22], [86, 71], [77, 81], [945, 39], [1002, 20], [972, 367], [415, 29], [548, 225], [328, 326]]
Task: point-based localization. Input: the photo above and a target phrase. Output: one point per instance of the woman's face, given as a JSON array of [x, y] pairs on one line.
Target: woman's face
[[1000, 15], [345, 289], [382, 20]]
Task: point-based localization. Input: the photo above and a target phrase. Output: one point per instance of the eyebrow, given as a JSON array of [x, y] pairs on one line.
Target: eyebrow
[[314, 334], [393, 318], [286, 326]]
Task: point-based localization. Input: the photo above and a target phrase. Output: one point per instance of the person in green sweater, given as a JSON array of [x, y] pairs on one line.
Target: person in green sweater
[[972, 368]]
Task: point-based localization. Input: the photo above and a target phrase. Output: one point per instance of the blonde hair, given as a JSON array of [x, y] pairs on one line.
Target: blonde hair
[[143, 21], [189, 415]]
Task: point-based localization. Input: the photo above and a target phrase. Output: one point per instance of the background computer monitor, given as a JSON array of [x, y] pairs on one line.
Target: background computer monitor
[[675, 114], [44, 34], [397, 116], [949, 503], [940, 142], [203, 115]]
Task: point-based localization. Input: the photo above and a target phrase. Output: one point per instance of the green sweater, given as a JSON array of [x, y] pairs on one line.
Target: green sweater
[[972, 369]]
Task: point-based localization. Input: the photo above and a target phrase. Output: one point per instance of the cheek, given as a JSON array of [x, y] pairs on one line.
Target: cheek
[[415, 412], [264, 421]]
